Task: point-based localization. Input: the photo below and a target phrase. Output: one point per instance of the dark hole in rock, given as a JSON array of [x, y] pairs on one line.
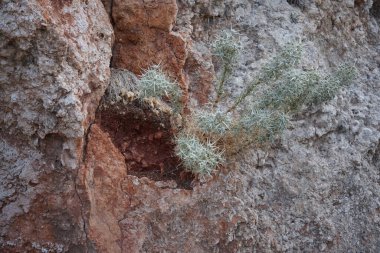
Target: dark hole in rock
[[375, 9], [146, 141], [52, 147], [298, 3]]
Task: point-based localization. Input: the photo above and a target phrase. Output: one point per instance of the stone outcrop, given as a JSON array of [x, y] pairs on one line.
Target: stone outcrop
[[144, 37], [100, 183], [65, 184], [146, 34], [54, 62]]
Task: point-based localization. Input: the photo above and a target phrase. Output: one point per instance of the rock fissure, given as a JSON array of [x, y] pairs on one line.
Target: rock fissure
[[83, 217], [145, 139], [85, 142]]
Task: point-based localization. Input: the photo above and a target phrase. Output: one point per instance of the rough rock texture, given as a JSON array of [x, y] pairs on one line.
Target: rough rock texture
[[54, 68], [144, 36], [316, 190], [99, 182]]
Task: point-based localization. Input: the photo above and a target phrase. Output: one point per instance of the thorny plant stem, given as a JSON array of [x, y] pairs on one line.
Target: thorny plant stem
[[219, 90], [250, 88]]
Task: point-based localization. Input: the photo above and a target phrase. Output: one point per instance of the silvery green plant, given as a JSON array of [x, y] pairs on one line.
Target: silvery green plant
[[155, 83], [290, 92], [330, 85], [263, 124], [227, 47], [213, 122], [288, 58], [197, 156], [296, 88], [285, 91]]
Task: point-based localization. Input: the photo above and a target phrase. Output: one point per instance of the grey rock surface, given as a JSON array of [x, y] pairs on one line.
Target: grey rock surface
[[315, 190], [54, 68]]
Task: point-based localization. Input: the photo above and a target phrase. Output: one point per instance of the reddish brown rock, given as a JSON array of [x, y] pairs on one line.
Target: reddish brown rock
[[54, 61], [100, 180], [200, 72], [144, 37]]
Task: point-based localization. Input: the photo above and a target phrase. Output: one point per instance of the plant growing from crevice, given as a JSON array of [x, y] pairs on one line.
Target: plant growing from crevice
[[154, 83], [198, 156], [259, 114]]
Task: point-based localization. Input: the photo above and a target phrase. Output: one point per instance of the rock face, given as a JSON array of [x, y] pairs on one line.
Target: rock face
[[144, 36], [65, 186], [54, 61], [100, 181]]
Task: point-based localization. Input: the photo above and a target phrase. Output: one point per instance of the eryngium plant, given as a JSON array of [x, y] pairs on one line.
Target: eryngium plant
[[296, 88], [291, 91], [330, 85], [197, 157], [155, 83], [278, 89]]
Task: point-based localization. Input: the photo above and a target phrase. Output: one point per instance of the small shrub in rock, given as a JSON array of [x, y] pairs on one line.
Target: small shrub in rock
[[328, 86], [279, 90]]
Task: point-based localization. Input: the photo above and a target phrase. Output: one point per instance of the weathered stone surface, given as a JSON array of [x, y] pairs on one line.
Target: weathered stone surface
[[316, 190], [146, 34], [144, 37], [100, 183], [54, 68], [199, 72]]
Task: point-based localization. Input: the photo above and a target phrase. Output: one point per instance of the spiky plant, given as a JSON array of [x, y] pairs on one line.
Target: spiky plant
[[214, 122], [290, 92], [227, 47], [329, 85], [197, 157], [262, 124], [282, 90], [155, 83], [288, 58]]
